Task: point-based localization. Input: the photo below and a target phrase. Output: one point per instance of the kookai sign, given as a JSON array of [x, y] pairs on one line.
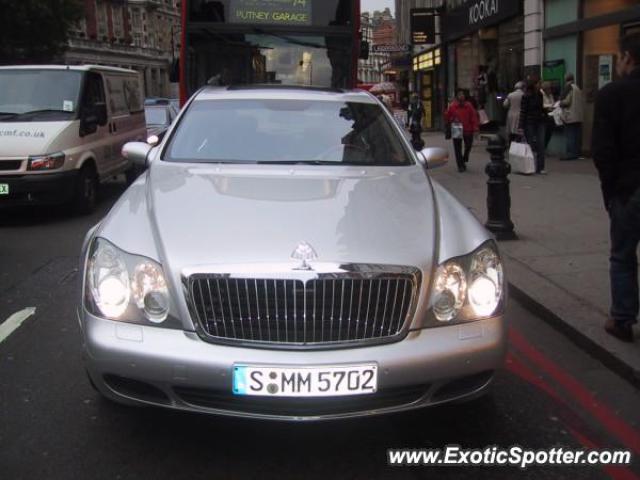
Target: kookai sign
[[477, 14]]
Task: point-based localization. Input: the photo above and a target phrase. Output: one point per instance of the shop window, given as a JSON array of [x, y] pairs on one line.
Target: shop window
[[594, 8]]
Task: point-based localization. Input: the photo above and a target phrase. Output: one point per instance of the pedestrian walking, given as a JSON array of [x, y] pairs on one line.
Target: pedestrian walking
[[616, 152], [548, 102], [533, 121], [573, 114], [514, 102], [463, 117], [415, 114]]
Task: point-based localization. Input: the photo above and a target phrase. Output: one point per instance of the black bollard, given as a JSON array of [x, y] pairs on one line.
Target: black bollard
[[498, 197]]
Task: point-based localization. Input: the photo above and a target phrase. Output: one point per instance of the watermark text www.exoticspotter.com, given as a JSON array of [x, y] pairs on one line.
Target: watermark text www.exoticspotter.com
[[455, 455]]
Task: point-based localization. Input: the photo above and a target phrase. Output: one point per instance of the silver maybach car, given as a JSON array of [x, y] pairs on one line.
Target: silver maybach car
[[286, 256]]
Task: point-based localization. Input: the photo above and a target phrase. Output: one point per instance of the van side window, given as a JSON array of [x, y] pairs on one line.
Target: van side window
[[93, 91]]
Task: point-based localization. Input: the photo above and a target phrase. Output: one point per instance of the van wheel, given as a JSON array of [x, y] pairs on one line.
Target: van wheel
[[86, 194]]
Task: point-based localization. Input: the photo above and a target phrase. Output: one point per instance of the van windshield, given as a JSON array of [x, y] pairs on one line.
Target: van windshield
[[28, 95]]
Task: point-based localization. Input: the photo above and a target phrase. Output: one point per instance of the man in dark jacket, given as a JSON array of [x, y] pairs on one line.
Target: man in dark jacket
[[414, 122], [533, 121], [616, 151]]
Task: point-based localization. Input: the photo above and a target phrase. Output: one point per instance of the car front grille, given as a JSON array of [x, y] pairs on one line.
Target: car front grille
[[297, 312], [9, 165]]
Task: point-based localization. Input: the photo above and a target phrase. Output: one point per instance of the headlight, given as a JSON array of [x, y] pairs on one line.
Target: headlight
[[450, 291], [46, 162], [486, 281], [469, 288], [109, 281], [125, 287]]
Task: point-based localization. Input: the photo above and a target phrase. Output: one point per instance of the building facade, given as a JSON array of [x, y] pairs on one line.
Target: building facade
[[581, 37], [370, 71], [424, 73], [143, 35]]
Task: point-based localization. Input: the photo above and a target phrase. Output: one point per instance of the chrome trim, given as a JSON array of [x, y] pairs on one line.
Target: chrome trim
[[321, 275]]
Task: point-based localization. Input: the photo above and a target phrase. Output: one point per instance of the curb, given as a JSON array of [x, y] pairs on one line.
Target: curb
[[579, 337]]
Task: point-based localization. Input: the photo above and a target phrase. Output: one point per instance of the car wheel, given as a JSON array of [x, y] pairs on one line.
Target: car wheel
[[86, 194]]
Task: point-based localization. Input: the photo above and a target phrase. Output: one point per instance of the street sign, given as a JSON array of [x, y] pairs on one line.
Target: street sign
[[423, 26], [390, 48]]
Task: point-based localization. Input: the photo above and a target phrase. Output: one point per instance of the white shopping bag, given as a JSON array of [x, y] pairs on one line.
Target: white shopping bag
[[483, 117], [457, 130], [521, 158]]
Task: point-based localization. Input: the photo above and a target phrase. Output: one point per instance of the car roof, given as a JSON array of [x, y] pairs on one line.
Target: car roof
[[279, 92]]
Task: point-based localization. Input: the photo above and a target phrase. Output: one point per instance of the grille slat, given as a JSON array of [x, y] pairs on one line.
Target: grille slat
[[293, 312]]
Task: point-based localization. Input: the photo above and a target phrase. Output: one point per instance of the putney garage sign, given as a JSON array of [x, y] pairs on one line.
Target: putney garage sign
[[476, 14]]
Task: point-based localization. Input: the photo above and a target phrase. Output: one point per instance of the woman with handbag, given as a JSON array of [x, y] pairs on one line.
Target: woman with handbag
[[533, 121], [464, 125], [514, 102]]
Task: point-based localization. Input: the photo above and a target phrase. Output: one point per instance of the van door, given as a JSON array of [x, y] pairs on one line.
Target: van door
[[95, 134], [126, 122]]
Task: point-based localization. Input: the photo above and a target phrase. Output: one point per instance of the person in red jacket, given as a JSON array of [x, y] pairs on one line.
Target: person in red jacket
[[462, 112]]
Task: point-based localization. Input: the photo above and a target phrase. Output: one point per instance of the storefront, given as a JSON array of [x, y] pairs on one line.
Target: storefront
[[485, 51], [582, 36], [429, 82]]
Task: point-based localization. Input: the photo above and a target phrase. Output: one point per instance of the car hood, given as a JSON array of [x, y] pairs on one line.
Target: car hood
[[256, 214], [21, 139]]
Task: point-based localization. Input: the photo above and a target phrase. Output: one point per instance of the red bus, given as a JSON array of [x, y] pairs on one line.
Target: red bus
[[290, 42]]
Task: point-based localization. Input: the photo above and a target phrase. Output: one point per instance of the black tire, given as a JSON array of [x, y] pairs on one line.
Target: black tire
[[85, 196]]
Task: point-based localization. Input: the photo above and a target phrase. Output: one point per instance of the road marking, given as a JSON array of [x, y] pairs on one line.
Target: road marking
[[598, 409], [14, 321]]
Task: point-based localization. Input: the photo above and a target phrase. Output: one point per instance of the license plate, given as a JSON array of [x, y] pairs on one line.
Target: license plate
[[305, 381], [4, 189]]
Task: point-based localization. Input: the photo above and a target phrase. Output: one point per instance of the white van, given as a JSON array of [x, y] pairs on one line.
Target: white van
[[62, 129]]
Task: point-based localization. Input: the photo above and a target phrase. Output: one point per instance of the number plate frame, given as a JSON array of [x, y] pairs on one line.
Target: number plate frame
[[307, 381]]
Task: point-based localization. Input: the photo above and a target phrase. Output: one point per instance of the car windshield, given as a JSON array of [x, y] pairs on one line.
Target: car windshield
[[29, 92], [156, 116], [287, 131]]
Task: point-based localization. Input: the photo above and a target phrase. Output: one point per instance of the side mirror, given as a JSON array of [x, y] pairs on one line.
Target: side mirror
[[433, 157], [137, 152]]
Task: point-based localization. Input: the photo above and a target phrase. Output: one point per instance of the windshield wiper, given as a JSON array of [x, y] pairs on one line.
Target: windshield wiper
[[297, 162], [8, 114], [44, 110]]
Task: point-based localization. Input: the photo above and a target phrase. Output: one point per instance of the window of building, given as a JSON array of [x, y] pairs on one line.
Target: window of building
[[118, 25], [101, 17]]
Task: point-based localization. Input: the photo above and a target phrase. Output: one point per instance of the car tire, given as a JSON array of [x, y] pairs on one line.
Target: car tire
[[85, 196]]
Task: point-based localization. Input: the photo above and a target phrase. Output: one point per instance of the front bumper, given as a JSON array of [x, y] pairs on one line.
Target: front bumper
[[176, 369], [38, 189]]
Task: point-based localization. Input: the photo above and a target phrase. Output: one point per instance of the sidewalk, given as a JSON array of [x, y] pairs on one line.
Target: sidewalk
[[558, 267]]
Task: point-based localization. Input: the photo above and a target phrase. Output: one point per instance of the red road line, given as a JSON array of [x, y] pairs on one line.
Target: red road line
[[515, 366], [627, 435], [614, 471]]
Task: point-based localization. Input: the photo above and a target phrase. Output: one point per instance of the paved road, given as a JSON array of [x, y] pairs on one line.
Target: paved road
[[52, 424]]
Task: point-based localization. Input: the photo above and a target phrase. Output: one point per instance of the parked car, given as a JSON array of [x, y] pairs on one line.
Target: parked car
[[158, 119], [62, 129], [286, 255]]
